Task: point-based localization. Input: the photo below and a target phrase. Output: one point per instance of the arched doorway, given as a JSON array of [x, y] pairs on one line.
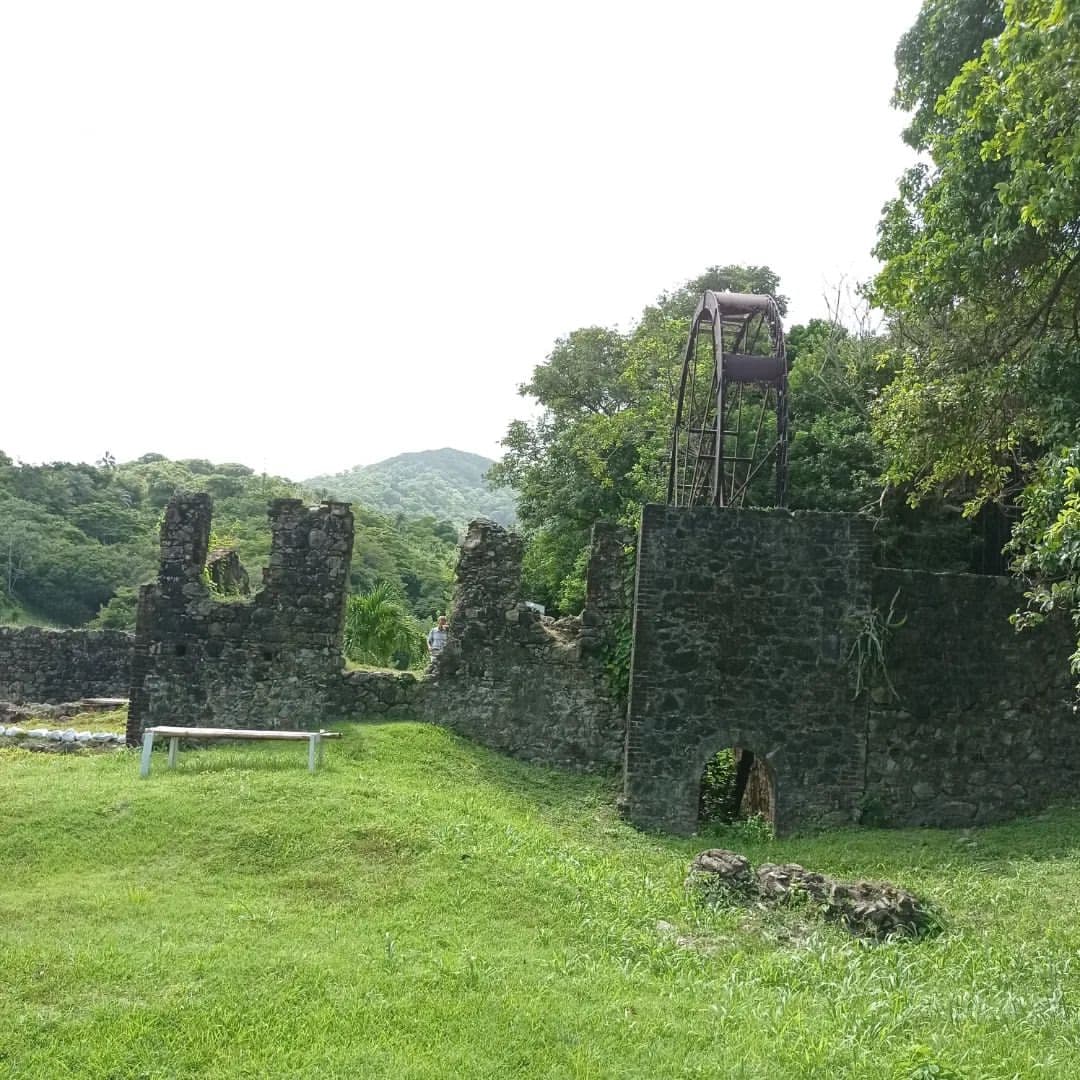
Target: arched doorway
[[736, 784]]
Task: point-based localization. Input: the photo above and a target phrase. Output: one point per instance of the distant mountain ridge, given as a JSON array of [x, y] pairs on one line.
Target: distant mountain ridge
[[446, 484]]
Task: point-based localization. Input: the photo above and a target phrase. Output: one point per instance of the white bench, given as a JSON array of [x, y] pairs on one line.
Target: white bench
[[314, 740]]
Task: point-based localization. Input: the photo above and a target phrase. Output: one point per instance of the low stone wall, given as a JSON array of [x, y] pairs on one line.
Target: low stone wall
[[975, 722], [62, 740], [53, 727], [394, 695], [63, 665]]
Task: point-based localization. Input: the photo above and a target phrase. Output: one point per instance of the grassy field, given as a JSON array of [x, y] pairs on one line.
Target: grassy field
[[423, 908]]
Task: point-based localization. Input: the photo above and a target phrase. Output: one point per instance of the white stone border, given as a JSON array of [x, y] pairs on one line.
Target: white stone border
[[40, 738]]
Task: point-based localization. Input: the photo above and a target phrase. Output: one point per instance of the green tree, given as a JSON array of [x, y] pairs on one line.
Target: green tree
[[119, 613], [838, 374], [380, 631], [981, 254], [599, 448], [1047, 542], [945, 36], [981, 257], [76, 539]]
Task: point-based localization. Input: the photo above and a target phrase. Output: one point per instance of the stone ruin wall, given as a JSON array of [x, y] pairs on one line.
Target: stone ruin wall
[[521, 683], [978, 724], [39, 665], [746, 631], [271, 662], [388, 695], [741, 640], [515, 681]]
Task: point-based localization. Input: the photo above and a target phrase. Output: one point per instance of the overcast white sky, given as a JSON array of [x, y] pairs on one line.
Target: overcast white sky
[[310, 235]]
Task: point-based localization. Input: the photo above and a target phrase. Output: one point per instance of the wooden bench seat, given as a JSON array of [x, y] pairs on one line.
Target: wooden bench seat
[[314, 740]]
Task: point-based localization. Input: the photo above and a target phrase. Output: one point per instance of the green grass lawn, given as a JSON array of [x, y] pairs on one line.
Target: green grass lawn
[[424, 908]]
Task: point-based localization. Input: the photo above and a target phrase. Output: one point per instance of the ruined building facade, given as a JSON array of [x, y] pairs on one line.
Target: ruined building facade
[[534, 687], [882, 696], [272, 661], [888, 696]]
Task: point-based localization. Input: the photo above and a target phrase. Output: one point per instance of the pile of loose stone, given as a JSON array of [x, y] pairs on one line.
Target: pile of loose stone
[[869, 909], [53, 737]]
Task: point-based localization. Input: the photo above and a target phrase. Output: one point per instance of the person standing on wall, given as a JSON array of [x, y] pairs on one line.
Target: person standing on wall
[[436, 639]]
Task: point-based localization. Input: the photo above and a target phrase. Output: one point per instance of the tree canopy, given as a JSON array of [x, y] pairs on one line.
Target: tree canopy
[[600, 446], [980, 254], [981, 250], [75, 539]]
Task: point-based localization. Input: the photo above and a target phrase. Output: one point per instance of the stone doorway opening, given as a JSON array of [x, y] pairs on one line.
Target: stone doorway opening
[[736, 784]]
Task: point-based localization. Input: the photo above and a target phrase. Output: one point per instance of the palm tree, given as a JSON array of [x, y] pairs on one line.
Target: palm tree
[[378, 628]]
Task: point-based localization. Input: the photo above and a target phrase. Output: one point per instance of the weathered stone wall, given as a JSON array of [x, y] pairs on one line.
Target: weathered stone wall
[[747, 627], [609, 588], [525, 684], [741, 638], [978, 724], [533, 686], [63, 665], [395, 695], [274, 661]]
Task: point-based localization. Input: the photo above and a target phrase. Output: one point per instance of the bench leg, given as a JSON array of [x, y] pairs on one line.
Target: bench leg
[[311, 754], [174, 742], [321, 746], [147, 746]]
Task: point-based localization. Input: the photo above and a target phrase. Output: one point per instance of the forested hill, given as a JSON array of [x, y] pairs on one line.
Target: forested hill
[[442, 483], [75, 539]]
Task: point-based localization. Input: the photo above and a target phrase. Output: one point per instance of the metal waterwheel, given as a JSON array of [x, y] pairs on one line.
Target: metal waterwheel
[[731, 423]]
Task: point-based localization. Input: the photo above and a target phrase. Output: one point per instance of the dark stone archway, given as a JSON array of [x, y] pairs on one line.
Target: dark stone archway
[[736, 783]]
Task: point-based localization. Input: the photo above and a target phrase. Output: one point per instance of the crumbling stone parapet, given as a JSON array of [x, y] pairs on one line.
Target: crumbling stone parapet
[[273, 661], [609, 589], [227, 574], [517, 680], [185, 539]]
